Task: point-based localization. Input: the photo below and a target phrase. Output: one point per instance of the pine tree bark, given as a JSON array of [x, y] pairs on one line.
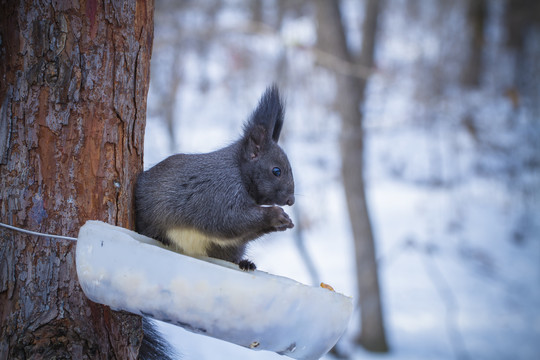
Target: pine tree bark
[[74, 79], [350, 98]]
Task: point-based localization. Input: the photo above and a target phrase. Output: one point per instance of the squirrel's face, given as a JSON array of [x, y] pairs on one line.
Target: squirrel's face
[[270, 178], [277, 187]]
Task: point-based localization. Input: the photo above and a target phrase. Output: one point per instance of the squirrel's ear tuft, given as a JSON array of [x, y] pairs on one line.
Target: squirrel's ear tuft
[[269, 113]]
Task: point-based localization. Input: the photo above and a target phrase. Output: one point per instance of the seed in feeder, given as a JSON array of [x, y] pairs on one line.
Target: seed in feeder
[[326, 286]]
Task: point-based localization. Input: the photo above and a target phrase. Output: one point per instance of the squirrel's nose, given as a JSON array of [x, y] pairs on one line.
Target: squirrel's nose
[[290, 200]]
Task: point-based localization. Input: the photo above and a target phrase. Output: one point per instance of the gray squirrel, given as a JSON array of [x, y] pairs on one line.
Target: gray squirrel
[[213, 204]]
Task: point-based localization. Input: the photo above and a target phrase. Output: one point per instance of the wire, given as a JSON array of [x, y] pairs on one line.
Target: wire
[[37, 233]]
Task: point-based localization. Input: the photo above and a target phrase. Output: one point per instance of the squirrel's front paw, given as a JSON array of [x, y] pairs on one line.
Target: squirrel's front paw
[[280, 220]]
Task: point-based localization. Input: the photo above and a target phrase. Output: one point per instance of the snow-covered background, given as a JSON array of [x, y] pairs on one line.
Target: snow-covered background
[[453, 173]]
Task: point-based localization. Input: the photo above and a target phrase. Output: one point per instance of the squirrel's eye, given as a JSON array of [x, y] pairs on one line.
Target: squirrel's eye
[[276, 171]]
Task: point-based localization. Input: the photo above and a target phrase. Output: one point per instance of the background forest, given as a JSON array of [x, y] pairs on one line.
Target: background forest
[[450, 120]]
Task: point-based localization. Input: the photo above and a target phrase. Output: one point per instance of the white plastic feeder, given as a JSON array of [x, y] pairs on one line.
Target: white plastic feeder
[[128, 271]]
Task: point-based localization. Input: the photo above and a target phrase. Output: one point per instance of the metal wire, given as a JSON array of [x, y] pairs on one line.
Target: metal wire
[[37, 233]]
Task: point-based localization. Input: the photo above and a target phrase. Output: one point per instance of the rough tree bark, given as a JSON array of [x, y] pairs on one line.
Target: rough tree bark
[[350, 97], [74, 80]]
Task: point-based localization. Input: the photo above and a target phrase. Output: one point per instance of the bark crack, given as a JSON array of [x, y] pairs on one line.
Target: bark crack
[[6, 127]]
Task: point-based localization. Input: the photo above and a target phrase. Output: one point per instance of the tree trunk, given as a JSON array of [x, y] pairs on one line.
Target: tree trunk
[[351, 94], [476, 19], [74, 80]]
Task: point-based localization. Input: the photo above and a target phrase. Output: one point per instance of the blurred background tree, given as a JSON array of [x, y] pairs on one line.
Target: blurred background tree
[[331, 39]]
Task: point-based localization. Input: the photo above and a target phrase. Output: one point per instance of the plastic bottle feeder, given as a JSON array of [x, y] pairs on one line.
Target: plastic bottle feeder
[[128, 271]]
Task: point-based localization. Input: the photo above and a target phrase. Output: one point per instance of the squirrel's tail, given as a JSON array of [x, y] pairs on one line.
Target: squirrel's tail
[[154, 346]]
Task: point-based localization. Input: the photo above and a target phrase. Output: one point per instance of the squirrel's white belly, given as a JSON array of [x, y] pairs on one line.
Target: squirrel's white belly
[[193, 242]]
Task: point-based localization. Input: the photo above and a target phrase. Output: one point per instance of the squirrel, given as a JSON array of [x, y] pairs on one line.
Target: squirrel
[[213, 204]]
